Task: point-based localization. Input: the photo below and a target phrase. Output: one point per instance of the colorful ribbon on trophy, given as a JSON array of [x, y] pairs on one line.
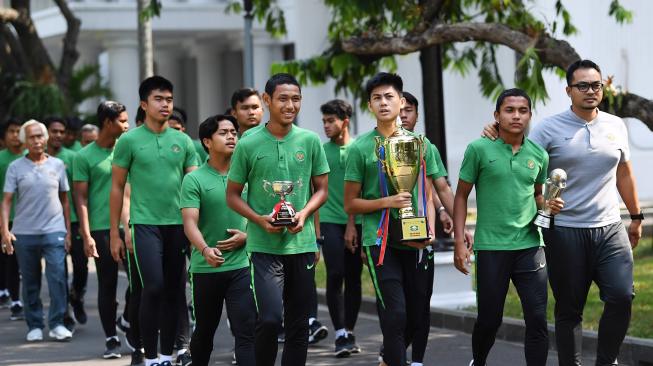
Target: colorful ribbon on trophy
[[422, 197], [382, 229]]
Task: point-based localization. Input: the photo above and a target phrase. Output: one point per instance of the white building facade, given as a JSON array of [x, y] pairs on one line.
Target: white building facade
[[199, 48]]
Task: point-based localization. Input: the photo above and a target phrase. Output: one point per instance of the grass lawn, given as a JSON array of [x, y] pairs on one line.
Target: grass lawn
[[642, 318]]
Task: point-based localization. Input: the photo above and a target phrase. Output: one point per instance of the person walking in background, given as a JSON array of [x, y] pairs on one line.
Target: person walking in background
[[9, 273], [40, 230]]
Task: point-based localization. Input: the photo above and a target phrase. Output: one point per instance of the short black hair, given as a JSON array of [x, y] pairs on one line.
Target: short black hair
[[514, 92], [140, 116], [280, 79], [109, 110], [47, 121], [580, 64], [211, 124], [384, 78], [73, 124], [339, 107], [179, 114], [9, 122], [153, 83], [410, 99], [240, 95]]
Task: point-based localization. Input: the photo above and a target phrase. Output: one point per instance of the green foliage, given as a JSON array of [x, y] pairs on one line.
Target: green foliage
[[34, 100], [397, 18], [86, 83], [153, 9], [621, 14]]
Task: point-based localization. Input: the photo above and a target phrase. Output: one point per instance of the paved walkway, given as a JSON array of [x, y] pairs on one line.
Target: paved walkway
[[446, 348]]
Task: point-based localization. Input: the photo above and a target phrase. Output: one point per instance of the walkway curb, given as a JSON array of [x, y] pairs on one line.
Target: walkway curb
[[634, 351]]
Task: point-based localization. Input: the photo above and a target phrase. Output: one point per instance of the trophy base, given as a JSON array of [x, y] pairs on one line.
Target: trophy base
[[283, 222], [414, 229], [543, 220]]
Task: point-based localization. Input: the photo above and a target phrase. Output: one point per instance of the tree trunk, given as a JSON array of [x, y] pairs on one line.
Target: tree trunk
[[145, 47], [70, 54], [41, 69]]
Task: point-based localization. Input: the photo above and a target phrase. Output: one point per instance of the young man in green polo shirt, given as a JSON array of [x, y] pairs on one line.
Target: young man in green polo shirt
[[156, 158], [92, 184], [57, 130], [247, 108], [404, 264], [219, 268], [282, 257], [9, 274], [508, 174], [341, 232]]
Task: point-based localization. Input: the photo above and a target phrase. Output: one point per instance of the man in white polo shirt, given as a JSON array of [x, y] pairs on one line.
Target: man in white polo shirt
[[588, 242]]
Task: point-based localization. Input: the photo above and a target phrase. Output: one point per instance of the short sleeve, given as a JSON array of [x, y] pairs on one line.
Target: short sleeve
[[239, 169], [122, 153], [442, 171], [190, 193], [539, 136], [355, 165], [11, 183], [469, 168], [625, 148], [80, 169], [191, 154], [429, 157], [320, 164], [63, 179], [541, 177]]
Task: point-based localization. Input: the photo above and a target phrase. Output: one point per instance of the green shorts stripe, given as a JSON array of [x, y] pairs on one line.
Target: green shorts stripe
[[372, 268], [251, 274], [138, 268]]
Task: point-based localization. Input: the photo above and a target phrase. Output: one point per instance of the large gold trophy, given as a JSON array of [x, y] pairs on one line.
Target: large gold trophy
[[400, 155]]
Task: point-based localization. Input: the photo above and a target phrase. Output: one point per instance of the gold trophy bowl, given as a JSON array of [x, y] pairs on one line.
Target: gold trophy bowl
[[400, 156]]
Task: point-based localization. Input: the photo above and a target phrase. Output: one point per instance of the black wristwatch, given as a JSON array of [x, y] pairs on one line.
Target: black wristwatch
[[639, 216]]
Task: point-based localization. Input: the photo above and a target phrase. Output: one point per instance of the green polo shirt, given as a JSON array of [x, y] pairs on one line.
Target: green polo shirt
[[202, 155], [362, 167], [261, 157], [156, 163], [6, 158], [205, 189], [442, 171], [93, 166], [505, 187], [68, 158], [333, 210], [76, 146]]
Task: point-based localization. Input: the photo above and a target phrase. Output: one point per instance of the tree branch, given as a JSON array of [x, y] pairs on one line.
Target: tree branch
[[551, 51], [70, 54], [40, 66]]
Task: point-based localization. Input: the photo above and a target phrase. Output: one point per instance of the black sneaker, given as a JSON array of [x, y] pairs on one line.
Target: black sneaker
[[317, 332], [16, 312], [122, 325], [113, 348], [78, 310], [184, 359], [341, 347], [5, 300], [69, 322], [351, 343], [165, 363], [137, 358]]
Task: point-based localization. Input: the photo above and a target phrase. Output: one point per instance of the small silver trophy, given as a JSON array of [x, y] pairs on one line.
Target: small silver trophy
[[555, 184]]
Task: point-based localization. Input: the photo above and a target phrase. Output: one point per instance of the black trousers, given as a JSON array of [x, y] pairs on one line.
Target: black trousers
[[281, 284], [576, 257], [400, 290], [80, 263], [133, 302], [107, 276], [494, 271], [182, 341], [10, 274], [209, 291], [343, 269], [418, 319], [160, 259]]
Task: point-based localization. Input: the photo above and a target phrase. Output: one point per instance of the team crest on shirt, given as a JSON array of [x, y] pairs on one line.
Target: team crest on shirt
[[300, 156], [531, 164], [175, 148]]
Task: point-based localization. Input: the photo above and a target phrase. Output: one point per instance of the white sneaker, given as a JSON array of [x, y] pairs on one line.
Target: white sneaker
[[60, 333], [35, 335]]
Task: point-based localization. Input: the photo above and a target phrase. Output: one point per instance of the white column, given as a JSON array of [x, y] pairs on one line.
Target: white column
[[210, 96], [123, 72], [88, 55]]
